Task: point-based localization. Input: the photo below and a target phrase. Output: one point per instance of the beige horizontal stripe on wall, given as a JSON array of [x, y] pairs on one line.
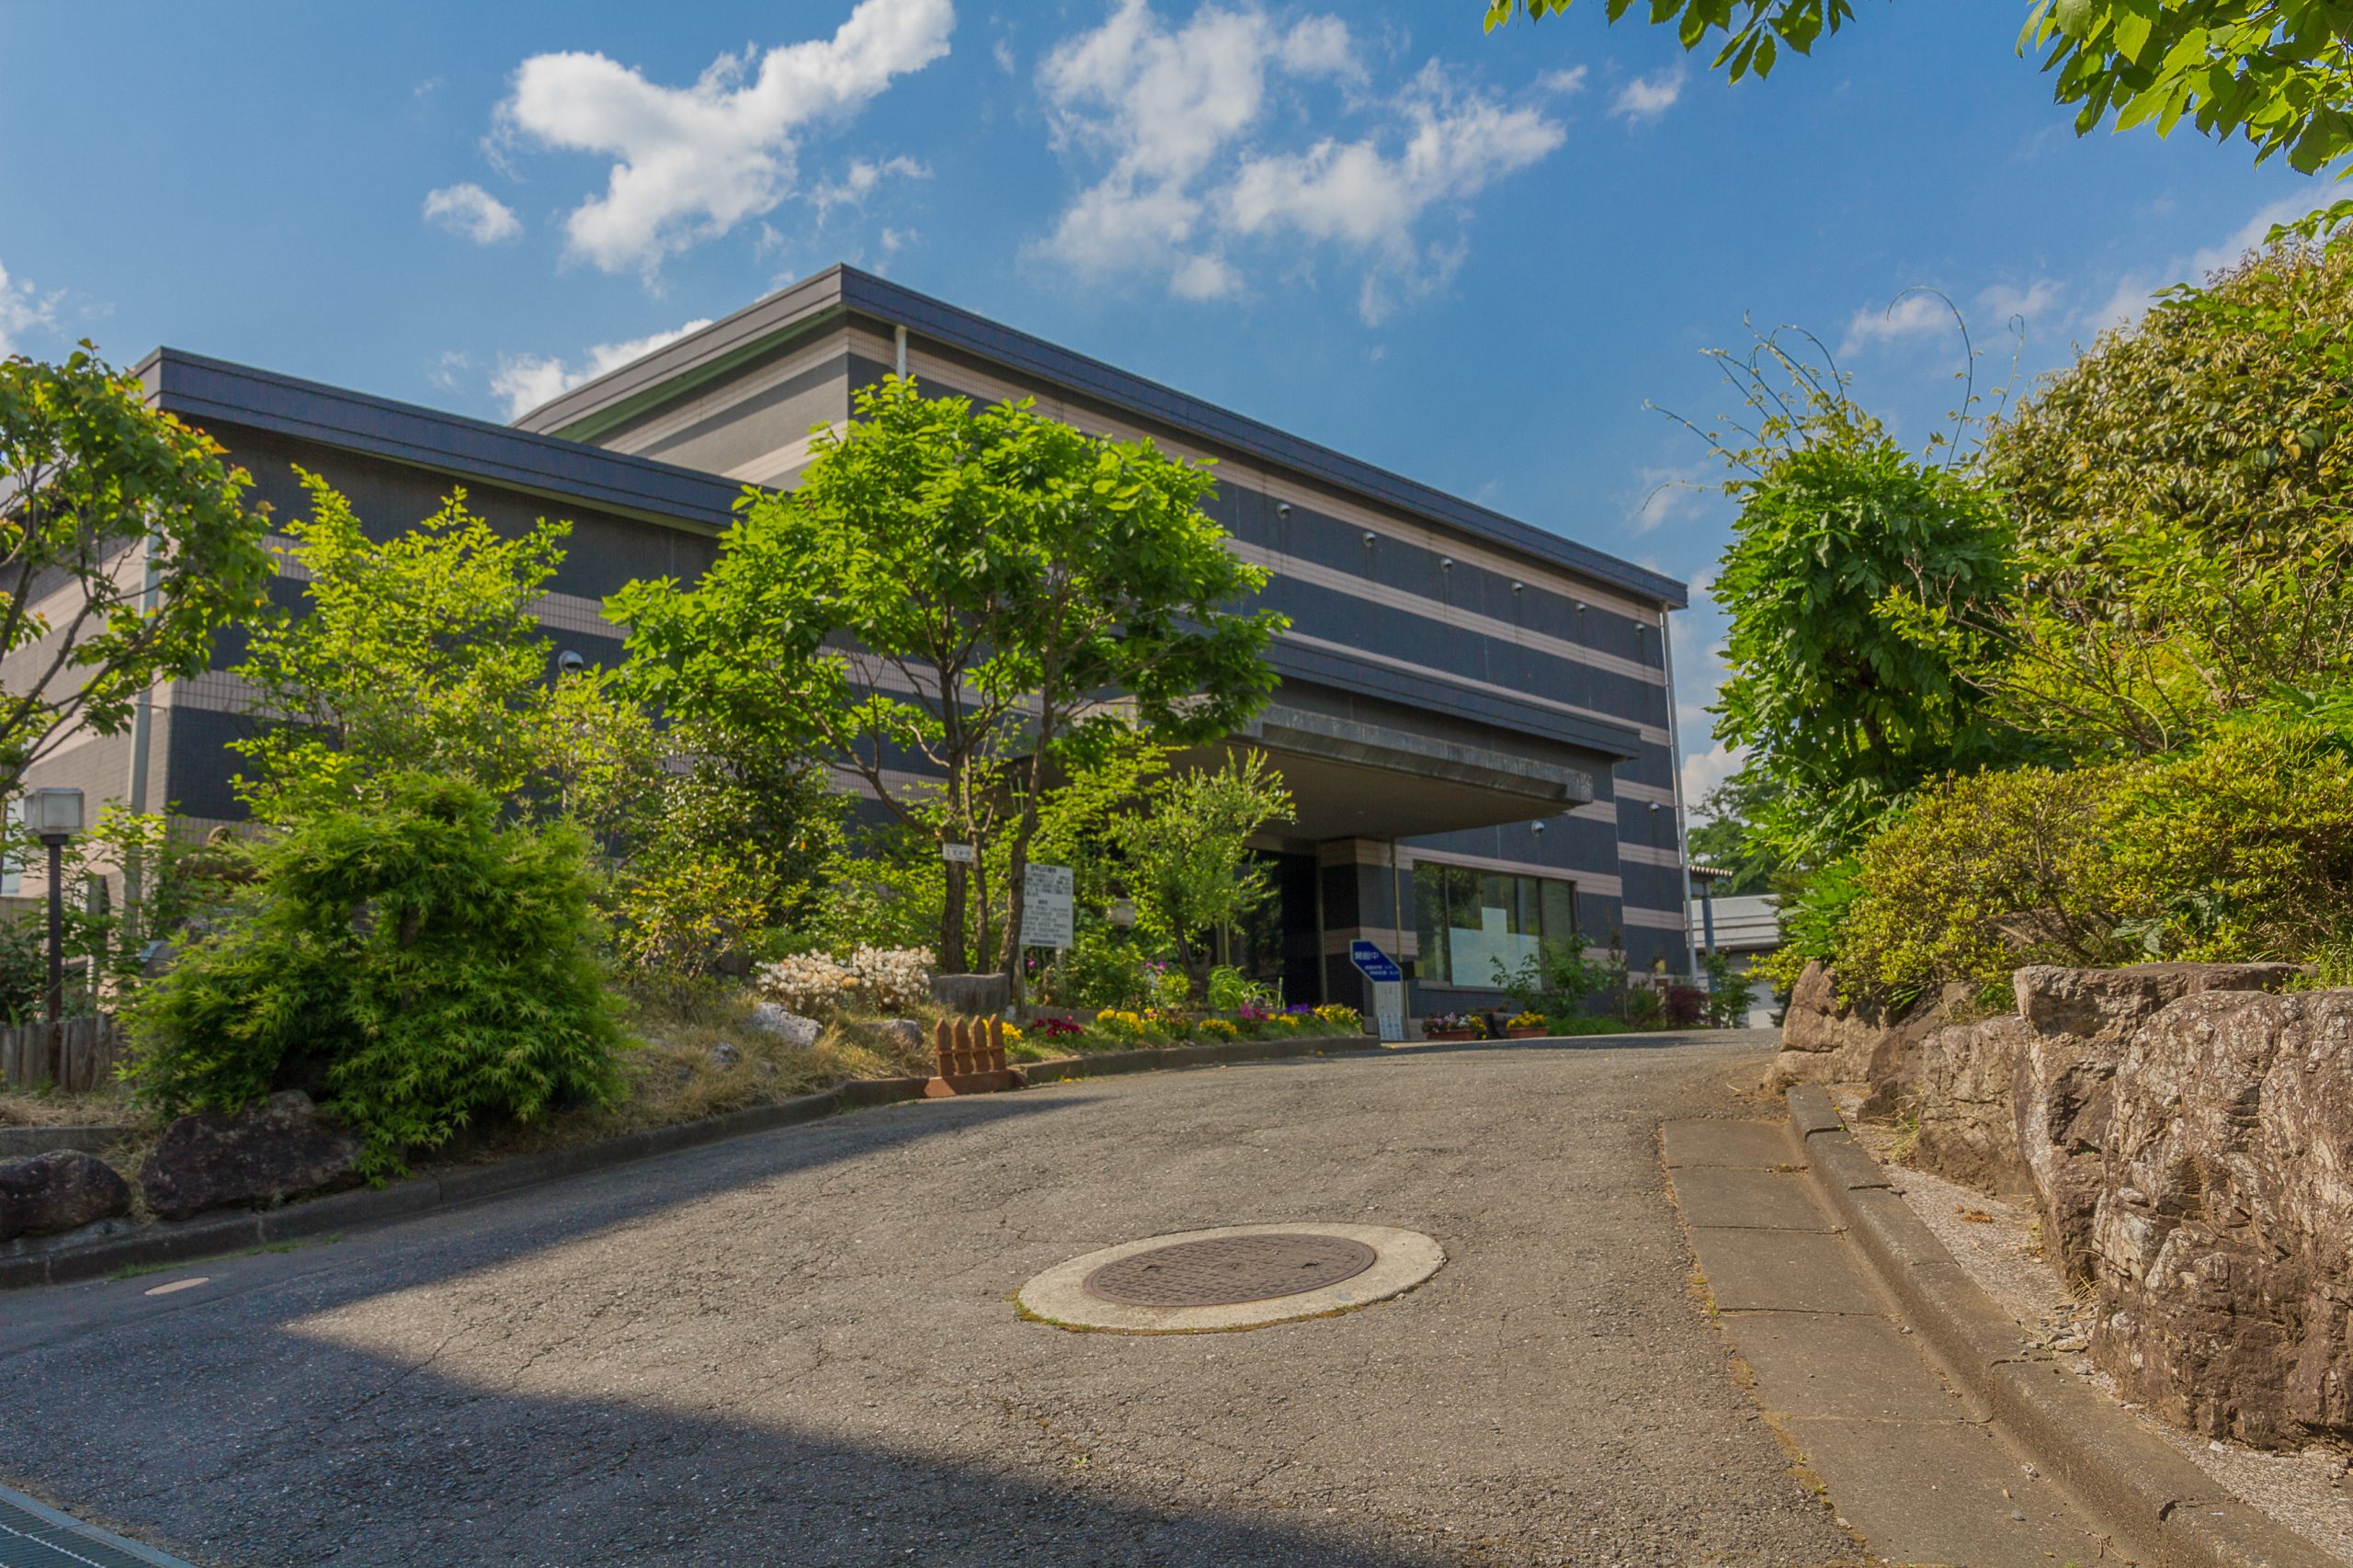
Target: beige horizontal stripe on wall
[[1652, 733], [1281, 486], [1652, 919], [1364, 588], [1647, 855], [1397, 944]]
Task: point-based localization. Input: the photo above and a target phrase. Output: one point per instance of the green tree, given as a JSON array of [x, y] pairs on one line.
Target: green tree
[[1727, 840], [2183, 501], [1188, 863], [418, 653], [958, 590], [125, 546], [1857, 574], [2277, 72]]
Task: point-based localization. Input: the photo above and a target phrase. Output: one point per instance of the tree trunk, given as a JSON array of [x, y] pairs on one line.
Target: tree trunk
[[951, 921]]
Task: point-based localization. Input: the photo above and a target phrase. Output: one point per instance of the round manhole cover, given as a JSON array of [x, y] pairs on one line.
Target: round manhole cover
[[1230, 1269]]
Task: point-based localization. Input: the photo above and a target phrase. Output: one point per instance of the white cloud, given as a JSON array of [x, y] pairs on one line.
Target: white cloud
[[1664, 494], [2003, 301], [472, 211], [1647, 97], [1703, 770], [1915, 313], [1571, 80], [691, 163], [1174, 114], [23, 309], [852, 190], [2137, 291], [527, 380]]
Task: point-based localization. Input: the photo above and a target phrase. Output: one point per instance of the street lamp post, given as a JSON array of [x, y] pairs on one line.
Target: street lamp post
[[55, 815]]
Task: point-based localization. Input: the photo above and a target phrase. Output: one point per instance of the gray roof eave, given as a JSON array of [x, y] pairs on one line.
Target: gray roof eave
[[204, 390], [598, 403]]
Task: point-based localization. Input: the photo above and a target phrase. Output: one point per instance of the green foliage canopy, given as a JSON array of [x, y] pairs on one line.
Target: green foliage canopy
[[961, 586], [125, 545], [1846, 548], [2277, 72], [417, 654], [1188, 864], [2181, 500]]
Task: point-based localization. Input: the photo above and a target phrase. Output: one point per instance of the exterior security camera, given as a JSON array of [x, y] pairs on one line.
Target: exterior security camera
[[569, 662]]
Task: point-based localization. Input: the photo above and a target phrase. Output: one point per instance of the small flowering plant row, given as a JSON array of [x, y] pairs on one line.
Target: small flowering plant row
[[888, 980], [1455, 1024]]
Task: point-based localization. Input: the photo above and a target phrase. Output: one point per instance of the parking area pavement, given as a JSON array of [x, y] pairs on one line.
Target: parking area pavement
[[799, 1348]]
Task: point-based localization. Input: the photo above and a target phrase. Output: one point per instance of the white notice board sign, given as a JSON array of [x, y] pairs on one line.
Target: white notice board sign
[[1389, 1008], [1046, 907]]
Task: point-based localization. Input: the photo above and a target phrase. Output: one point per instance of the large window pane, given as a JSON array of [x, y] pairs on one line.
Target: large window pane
[[1560, 913], [1429, 920], [1495, 928]]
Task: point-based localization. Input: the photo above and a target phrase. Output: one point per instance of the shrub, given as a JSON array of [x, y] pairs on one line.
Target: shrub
[[892, 978], [1231, 991], [809, 983], [1685, 1006], [1102, 969], [1982, 875], [420, 963], [2242, 850]]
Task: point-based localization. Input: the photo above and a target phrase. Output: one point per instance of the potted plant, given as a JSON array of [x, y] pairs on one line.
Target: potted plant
[[1526, 1025], [1453, 1025]]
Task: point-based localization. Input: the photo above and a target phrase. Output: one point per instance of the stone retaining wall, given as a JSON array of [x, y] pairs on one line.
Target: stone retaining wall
[[2186, 1133]]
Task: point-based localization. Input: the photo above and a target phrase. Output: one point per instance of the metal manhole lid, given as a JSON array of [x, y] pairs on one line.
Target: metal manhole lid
[[1229, 1269]]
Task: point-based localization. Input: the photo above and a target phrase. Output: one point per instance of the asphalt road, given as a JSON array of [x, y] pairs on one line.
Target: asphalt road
[[798, 1348]]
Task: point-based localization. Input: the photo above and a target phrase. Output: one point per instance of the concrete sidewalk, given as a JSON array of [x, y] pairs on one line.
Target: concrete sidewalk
[[1914, 1469]]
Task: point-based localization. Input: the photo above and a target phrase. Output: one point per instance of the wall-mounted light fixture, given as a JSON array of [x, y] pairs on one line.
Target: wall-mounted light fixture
[[1446, 563], [569, 662], [1518, 587], [1369, 536], [1282, 508]]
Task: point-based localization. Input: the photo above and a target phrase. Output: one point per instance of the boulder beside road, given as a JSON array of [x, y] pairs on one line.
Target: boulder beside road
[[282, 1148], [41, 1194]]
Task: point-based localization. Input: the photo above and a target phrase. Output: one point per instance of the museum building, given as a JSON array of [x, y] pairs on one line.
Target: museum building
[[1474, 715]]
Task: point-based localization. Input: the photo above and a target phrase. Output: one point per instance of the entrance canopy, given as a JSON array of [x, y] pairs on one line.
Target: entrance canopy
[[1350, 779]]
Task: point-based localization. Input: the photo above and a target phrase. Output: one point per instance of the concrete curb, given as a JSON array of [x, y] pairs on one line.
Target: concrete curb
[[2162, 1506], [1156, 1058], [168, 1242]]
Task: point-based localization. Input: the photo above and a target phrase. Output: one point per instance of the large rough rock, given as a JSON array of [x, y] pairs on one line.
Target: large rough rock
[[1968, 1130], [61, 1190], [973, 995], [1827, 1041], [2079, 1022], [775, 1018], [2222, 1237], [278, 1149]]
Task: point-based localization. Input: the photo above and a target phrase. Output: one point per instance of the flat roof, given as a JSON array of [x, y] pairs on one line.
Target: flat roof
[[840, 290]]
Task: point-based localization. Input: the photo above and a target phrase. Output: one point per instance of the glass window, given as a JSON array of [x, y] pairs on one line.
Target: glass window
[[1429, 919], [1471, 921]]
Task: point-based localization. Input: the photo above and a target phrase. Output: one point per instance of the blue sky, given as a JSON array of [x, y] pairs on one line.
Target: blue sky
[[1472, 258]]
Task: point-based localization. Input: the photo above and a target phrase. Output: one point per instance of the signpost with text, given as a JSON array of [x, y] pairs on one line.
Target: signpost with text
[[1388, 988]]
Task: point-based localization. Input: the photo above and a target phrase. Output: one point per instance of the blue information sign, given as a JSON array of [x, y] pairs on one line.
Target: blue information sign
[[1376, 965]]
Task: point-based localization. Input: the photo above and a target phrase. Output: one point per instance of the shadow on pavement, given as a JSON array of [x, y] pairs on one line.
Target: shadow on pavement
[[450, 1242], [325, 1455]]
